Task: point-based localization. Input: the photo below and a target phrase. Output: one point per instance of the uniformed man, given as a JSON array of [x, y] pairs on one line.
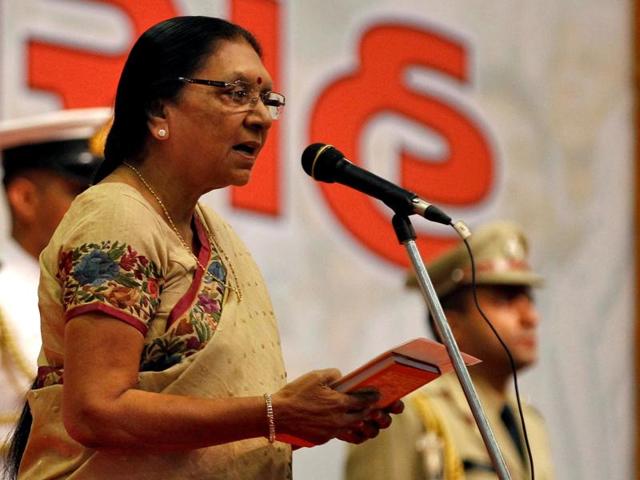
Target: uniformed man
[[47, 160], [437, 437]]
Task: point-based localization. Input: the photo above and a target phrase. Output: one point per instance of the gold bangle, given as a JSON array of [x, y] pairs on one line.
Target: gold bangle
[[270, 418]]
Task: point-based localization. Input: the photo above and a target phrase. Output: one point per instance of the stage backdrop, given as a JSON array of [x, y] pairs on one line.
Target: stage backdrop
[[492, 109]]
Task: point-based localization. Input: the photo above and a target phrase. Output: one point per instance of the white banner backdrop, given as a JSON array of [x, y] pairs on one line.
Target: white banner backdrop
[[530, 101]]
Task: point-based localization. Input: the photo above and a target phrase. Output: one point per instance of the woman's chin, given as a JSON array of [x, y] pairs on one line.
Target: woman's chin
[[241, 179]]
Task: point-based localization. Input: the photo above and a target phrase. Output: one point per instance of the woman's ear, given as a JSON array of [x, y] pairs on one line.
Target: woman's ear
[[157, 121]]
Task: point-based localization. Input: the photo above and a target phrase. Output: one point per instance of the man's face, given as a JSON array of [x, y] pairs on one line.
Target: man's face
[[512, 312], [54, 196]]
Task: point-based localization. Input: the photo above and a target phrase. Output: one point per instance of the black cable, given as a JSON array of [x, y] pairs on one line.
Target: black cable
[[508, 352]]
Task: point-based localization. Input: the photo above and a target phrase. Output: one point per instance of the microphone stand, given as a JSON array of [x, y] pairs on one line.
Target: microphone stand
[[406, 236]]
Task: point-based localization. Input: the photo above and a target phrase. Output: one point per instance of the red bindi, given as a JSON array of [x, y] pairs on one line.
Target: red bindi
[[259, 80]]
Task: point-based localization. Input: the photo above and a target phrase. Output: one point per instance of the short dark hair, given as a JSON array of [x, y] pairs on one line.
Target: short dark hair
[[168, 50], [70, 159]]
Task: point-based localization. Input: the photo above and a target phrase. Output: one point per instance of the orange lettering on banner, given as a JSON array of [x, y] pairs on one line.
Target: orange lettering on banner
[[262, 193], [87, 79], [378, 86]]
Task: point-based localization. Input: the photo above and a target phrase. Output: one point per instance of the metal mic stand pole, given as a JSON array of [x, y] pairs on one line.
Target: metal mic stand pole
[[406, 236]]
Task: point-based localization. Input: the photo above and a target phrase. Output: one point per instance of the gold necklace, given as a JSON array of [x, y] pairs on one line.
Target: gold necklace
[[210, 237]]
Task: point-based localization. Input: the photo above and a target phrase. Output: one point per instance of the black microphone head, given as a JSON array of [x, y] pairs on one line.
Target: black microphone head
[[321, 160]]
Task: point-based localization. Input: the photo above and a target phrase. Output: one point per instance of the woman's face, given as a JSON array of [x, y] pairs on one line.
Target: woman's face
[[216, 141]]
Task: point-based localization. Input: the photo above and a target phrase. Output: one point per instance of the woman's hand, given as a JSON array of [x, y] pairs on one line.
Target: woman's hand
[[308, 408], [377, 420]]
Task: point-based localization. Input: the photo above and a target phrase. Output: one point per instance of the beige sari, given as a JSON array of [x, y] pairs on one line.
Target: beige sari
[[114, 253]]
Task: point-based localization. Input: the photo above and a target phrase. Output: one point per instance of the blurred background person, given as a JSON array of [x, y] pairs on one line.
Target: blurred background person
[[47, 160], [437, 437]]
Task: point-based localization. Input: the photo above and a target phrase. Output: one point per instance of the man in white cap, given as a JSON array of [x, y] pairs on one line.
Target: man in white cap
[[47, 160], [436, 437]]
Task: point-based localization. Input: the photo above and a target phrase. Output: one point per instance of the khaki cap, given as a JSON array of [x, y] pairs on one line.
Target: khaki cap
[[500, 251]]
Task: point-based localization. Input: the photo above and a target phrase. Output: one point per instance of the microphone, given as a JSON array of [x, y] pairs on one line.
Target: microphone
[[326, 163]]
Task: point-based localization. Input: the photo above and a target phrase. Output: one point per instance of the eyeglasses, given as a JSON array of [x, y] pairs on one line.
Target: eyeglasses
[[242, 94]]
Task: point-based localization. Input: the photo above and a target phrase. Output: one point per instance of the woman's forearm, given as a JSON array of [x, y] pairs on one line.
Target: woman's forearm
[[157, 421]]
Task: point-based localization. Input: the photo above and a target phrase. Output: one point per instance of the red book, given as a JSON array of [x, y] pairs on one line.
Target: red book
[[396, 373]]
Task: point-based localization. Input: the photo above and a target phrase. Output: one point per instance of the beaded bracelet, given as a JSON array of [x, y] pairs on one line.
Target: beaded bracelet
[[270, 418]]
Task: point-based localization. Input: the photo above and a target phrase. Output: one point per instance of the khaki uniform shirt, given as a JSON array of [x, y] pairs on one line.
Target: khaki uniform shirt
[[406, 452]]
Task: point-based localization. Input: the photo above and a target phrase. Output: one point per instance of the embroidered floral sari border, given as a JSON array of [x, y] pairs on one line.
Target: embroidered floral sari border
[[204, 257]]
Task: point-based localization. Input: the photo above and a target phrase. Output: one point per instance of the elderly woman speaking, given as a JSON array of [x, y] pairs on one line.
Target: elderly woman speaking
[[161, 356]]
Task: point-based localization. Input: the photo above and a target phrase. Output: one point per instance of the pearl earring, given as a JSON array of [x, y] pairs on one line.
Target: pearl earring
[[162, 133]]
